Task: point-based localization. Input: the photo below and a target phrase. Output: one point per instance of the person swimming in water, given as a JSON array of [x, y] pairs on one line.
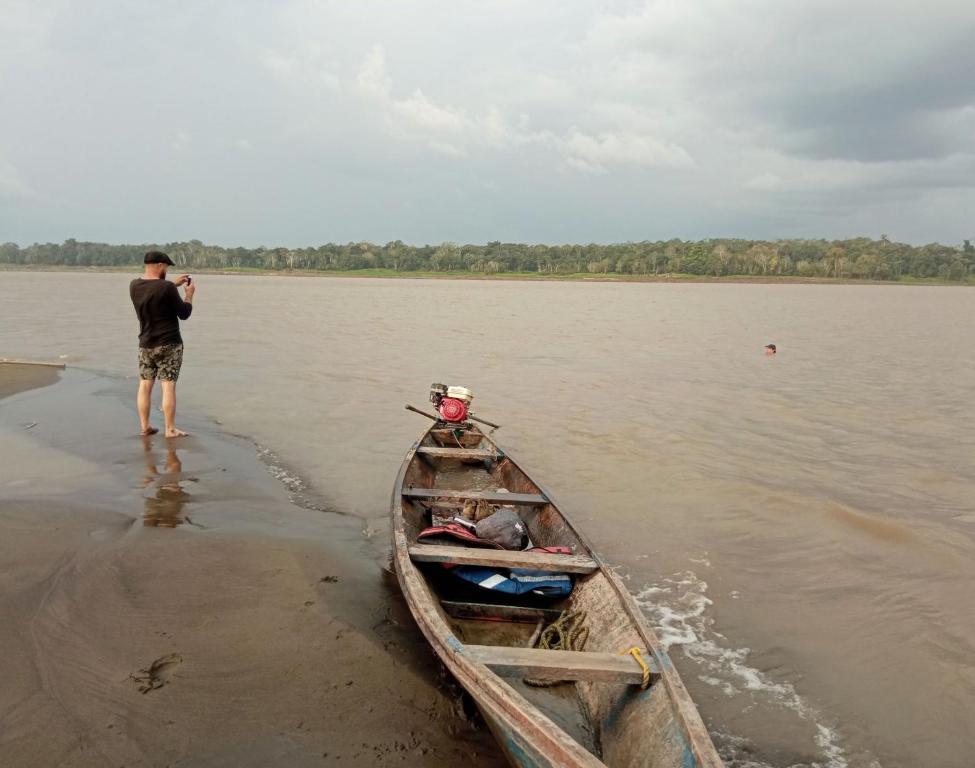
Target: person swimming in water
[[769, 349]]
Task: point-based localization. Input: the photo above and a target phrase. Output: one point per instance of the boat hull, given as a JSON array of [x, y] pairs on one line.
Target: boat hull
[[654, 728]]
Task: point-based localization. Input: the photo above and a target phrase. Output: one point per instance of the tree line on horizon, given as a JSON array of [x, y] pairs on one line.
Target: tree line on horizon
[[857, 258]]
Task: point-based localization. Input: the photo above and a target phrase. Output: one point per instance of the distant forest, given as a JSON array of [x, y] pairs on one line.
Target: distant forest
[[858, 258]]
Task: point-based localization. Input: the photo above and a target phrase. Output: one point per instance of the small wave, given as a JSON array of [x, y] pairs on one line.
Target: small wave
[[287, 478], [299, 492], [678, 608]]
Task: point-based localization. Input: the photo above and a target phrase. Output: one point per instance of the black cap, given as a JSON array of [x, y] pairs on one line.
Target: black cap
[[158, 257], [770, 346]]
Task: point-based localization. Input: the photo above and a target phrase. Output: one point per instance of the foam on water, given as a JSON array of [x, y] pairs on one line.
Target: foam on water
[[678, 608], [275, 467], [299, 490]]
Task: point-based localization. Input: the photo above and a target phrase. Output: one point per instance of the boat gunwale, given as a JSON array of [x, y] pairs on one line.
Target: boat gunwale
[[686, 711], [503, 701], [683, 707]]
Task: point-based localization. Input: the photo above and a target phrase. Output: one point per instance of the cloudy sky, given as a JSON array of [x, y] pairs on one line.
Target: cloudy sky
[[296, 123]]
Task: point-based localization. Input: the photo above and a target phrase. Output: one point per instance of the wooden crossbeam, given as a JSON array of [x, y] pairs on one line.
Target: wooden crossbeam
[[561, 665], [456, 453], [502, 558], [494, 497]]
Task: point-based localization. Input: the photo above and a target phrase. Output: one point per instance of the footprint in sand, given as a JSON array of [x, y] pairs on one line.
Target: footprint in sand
[[157, 674]]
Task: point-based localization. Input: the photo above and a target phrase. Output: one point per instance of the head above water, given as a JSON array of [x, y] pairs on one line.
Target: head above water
[[769, 349], [156, 263]]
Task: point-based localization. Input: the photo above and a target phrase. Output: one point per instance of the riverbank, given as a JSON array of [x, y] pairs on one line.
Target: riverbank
[[580, 277], [16, 377], [165, 603]]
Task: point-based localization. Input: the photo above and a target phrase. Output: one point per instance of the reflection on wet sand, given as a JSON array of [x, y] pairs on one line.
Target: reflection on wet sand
[[163, 509]]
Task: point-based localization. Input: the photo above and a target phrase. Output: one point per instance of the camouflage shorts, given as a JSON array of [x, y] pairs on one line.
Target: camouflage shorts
[[161, 363]]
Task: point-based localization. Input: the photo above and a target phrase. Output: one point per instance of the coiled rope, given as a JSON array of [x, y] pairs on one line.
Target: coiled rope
[[566, 633]]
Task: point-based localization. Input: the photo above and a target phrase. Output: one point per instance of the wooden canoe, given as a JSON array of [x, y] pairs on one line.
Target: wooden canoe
[[602, 716]]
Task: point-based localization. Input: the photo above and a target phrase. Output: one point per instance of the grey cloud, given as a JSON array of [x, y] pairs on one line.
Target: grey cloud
[[894, 119], [861, 80]]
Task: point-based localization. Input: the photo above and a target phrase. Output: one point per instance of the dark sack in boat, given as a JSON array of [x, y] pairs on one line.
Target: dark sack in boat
[[504, 527]]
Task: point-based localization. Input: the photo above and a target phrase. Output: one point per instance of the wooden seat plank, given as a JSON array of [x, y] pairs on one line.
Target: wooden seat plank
[[457, 453], [494, 497], [561, 665], [502, 558]]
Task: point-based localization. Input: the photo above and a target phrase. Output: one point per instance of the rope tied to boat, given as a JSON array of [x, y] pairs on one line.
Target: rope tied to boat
[[636, 654], [566, 633]]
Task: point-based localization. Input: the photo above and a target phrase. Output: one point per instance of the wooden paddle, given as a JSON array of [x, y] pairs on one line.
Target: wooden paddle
[[437, 418]]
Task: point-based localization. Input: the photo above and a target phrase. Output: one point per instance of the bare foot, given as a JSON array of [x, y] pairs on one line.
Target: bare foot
[[175, 433], [148, 431]]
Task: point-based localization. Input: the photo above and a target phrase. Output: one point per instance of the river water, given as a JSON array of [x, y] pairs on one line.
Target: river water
[[800, 529]]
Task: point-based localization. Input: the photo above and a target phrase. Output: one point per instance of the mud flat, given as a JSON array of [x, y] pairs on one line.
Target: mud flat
[[19, 377], [164, 603]]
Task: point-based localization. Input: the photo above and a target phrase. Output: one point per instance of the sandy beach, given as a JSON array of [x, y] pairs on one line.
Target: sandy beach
[[165, 603]]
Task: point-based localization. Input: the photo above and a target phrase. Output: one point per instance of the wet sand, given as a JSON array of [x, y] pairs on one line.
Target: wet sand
[[16, 377], [164, 603]]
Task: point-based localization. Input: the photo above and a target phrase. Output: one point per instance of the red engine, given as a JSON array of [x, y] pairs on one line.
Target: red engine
[[452, 409], [452, 403]]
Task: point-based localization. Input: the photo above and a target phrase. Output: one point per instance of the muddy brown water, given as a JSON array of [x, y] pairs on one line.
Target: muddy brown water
[[800, 529]]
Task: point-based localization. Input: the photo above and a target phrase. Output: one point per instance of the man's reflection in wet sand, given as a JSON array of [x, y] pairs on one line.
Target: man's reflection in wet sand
[[164, 509]]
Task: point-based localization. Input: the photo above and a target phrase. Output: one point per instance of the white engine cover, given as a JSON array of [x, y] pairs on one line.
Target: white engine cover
[[461, 393]]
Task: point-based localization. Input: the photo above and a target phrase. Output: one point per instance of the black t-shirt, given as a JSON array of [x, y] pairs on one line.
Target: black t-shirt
[[159, 308]]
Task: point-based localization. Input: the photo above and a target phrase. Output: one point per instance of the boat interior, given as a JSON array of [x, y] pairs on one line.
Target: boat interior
[[596, 693]]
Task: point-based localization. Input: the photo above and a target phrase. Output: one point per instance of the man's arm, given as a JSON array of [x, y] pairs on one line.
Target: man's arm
[[183, 307]]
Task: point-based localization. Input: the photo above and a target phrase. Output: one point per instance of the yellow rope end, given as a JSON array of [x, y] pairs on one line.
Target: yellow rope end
[[636, 654]]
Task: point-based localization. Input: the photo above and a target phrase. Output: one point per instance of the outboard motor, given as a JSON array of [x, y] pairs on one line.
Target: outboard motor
[[452, 403]]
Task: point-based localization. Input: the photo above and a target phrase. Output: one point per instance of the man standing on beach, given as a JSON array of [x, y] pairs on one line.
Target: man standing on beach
[[160, 308]]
